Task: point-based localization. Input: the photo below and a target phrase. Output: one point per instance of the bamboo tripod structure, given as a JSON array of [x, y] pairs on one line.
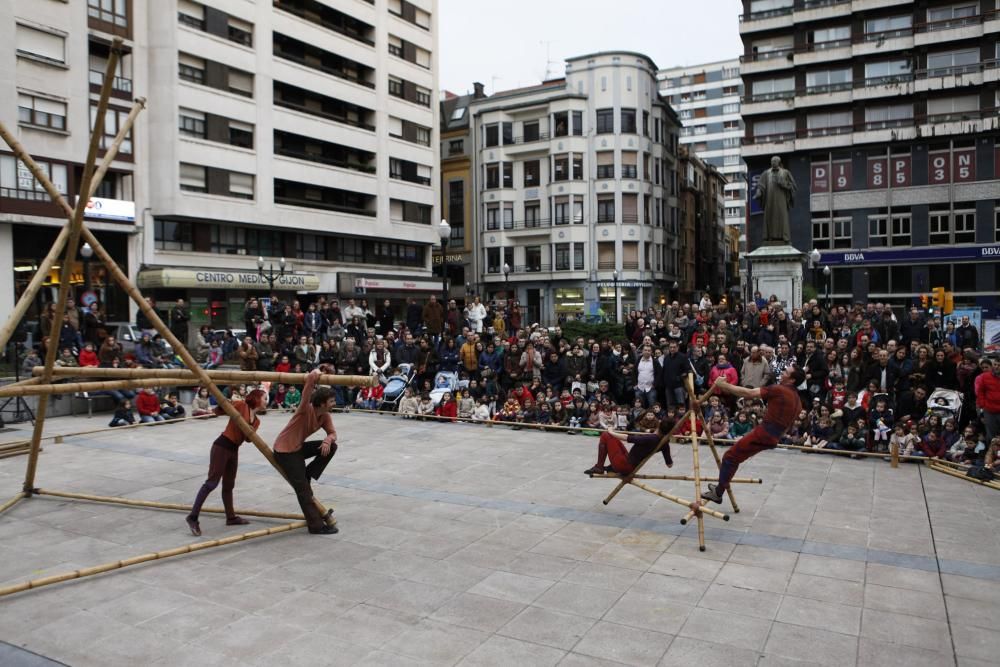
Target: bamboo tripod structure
[[67, 245], [696, 508]]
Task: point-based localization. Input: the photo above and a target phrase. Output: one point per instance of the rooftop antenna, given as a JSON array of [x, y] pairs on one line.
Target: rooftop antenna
[[550, 71], [493, 83]]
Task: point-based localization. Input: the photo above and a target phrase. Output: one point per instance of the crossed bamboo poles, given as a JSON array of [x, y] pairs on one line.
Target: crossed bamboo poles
[[67, 243], [696, 507]]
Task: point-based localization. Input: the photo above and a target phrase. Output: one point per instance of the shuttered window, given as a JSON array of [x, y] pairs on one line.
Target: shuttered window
[[40, 44]]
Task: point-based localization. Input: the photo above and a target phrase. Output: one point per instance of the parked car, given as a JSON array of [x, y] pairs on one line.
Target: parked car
[[128, 335]]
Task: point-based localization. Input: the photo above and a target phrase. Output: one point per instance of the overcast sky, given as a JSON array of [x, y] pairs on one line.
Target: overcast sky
[[502, 43]]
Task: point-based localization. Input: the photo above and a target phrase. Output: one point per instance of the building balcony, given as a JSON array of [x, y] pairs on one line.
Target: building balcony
[[768, 103], [960, 122], [765, 144], [868, 5], [943, 78], [769, 20], [534, 267], [810, 54], [823, 137], [533, 226], [948, 30], [119, 84], [991, 21], [880, 43], [991, 71], [821, 10], [768, 61], [825, 95], [883, 86]]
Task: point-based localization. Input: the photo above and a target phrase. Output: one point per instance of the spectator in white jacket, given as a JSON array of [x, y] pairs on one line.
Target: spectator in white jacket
[[476, 314]]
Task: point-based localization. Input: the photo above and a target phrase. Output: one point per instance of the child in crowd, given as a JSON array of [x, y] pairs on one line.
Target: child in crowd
[[123, 414], [201, 404], [838, 395], [819, 433], [903, 440], [171, 408], [447, 408], [594, 416], [292, 398], [88, 357], [740, 426], [481, 413], [278, 398], [466, 405], [718, 426], [369, 398], [880, 425], [509, 412], [426, 405], [148, 404], [853, 440], [544, 416], [408, 404]]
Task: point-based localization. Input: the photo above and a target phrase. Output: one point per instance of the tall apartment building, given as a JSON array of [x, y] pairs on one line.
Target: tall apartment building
[[575, 185], [707, 99], [50, 80], [295, 128], [704, 246], [885, 111]]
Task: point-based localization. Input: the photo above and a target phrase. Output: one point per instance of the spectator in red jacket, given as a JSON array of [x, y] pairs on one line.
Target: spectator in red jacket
[[88, 357], [448, 408], [988, 400], [148, 405]]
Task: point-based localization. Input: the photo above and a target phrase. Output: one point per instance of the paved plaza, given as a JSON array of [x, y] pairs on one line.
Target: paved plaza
[[468, 545]]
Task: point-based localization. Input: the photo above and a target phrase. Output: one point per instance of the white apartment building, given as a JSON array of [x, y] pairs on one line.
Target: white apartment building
[[293, 129], [575, 186], [707, 100]]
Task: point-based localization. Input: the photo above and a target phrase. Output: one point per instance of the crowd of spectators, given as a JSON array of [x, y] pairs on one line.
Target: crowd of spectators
[[870, 370]]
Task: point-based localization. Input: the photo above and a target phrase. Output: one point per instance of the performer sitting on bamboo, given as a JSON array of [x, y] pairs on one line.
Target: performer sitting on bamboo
[[783, 406], [624, 461], [224, 459], [291, 448]]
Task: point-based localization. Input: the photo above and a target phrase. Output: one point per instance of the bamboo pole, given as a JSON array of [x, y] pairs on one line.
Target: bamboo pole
[[683, 478], [185, 375], [13, 501], [72, 246], [17, 452], [131, 502], [687, 517], [934, 465], [19, 444], [625, 480], [693, 505], [695, 463], [710, 439], [190, 362], [77, 387], [894, 453], [28, 382], [158, 555]]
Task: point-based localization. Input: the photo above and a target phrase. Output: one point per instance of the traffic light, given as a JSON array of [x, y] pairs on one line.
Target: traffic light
[[938, 301], [924, 301], [949, 303]]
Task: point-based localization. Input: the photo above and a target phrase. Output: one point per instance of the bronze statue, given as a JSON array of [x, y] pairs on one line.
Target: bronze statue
[[776, 192]]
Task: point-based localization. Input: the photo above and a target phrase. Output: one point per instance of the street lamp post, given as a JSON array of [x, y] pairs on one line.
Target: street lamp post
[[86, 252], [444, 231], [827, 273], [814, 257], [271, 276], [506, 281], [618, 317], [677, 291]]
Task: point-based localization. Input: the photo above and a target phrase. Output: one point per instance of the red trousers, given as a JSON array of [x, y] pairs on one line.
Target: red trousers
[[610, 447], [754, 442]]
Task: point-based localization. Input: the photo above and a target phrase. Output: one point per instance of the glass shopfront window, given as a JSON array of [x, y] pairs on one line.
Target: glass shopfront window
[[569, 302]]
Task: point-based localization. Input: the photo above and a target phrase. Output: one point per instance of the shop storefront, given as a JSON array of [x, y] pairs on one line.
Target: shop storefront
[[569, 302], [632, 294], [218, 296], [397, 289]]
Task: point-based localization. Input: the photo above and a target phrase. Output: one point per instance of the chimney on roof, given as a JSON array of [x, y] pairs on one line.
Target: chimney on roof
[[478, 90]]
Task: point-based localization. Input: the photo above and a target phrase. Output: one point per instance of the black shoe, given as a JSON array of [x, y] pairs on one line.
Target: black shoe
[[596, 470], [712, 494], [194, 526], [325, 530]]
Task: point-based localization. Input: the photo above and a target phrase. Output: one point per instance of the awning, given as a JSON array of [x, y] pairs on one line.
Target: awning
[[223, 279]]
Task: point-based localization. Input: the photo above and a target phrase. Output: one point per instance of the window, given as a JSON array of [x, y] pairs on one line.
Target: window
[[828, 80], [628, 121], [578, 212], [560, 123], [493, 175], [113, 120], [41, 112], [952, 62], [240, 185], [765, 49], [240, 31], [493, 260], [888, 26], [456, 147], [560, 167], [774, 128], [409, 211], [192, 123], [191, 68], [730, 108], [492, 218], [887, 71], [878, 236], [562, 211], [946, 17], [456, 204], [578, 123], [771, 89], [531, 132], [310, 246], [952, 108], [894, 115], [532, 173], [765, 7], [191, 13], [508, 174], [562, 256], [828, 38], [629, 167], [606, 164], [507, 132], [240, 82], [939, 223], [492, 135], [508, 216], [423, 96], [578, 256], [193, 178], [114, 12], [170, 235], [577, 166], [829, 122], [606, 208], [965, 226], [396, 87], [17, 182], [43, 45], [457, 114], [532, 215], [831, 233], [605, 121], [240, 134], [533, 258]]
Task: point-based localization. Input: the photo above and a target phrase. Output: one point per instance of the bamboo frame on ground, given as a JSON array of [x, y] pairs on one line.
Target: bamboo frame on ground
[[131, 502], [68, 243], [157, 555], [959, 471]]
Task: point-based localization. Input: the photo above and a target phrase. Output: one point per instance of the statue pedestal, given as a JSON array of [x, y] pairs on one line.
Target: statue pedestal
[[777, 270]]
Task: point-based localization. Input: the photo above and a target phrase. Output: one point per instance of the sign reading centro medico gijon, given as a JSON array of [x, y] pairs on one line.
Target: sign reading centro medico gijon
[[222, 279]]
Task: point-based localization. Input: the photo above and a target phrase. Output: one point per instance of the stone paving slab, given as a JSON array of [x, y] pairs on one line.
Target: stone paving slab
[[484, 546]]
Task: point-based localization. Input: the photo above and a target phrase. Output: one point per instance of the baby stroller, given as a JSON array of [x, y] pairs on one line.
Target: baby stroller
[[446, 382], [394, 387], [945, 403]]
